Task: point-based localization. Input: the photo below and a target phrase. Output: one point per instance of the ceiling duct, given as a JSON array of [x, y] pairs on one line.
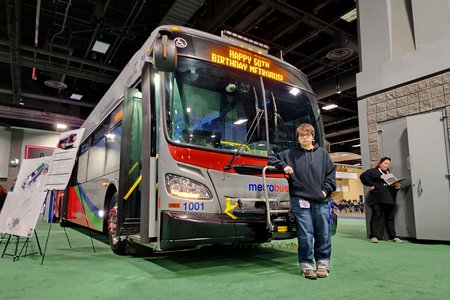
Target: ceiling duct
[[57, 80], [55, 84], [343, 46], [30, 115]]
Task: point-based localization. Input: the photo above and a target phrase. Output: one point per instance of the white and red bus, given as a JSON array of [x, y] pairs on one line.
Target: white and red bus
[[172, 156]]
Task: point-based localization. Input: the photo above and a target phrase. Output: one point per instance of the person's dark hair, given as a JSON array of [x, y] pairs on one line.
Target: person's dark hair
[[381, 161]]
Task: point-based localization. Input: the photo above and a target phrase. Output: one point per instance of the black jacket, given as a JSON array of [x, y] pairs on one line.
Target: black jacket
[[382, 193], [314, 172]]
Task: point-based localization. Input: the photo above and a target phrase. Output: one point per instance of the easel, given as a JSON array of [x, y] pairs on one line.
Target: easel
[[25, 246], [50, 218]]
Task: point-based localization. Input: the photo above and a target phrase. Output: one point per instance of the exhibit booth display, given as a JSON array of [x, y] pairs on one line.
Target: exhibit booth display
[[37, 179]]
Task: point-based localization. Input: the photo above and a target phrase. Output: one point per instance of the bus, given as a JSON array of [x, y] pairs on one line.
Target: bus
[[174, 155]]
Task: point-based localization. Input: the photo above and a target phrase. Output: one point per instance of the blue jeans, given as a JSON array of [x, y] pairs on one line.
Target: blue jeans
[[313, 233]]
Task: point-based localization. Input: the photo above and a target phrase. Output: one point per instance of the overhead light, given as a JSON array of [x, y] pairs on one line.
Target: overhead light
[[100, 47], [350, 16], [354, 146], [338, 88], [61, 126], [76, 96], [240, 121], [329, 106], [294, 91]]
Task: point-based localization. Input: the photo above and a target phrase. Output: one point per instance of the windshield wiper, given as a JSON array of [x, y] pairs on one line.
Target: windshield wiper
[[251, 131], [277, 117]]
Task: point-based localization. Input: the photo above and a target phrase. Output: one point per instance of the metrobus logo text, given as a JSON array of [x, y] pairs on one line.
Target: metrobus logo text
[[253, 187], [246, 61]]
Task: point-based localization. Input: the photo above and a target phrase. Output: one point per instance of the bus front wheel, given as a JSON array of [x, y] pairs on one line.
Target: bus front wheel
[[118, 246]]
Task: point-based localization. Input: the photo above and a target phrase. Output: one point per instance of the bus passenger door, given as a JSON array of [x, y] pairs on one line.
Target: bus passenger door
[[128, 218]]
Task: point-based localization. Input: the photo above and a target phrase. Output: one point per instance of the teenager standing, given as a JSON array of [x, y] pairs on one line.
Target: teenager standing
[[312, 179]]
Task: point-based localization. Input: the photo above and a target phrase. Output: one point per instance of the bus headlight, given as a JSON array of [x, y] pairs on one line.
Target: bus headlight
[[186, 188]]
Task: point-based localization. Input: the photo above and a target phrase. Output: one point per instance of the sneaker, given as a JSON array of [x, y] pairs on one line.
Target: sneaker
[[309, 274], [374, 240], [322, 273], [397, 240]]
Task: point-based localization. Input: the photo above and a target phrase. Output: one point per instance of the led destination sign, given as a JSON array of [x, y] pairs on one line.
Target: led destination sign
[[248, 62]]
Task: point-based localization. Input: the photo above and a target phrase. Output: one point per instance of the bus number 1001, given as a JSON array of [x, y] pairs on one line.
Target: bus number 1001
[[194, 206]]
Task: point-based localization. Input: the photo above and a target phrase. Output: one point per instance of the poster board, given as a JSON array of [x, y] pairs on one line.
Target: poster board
[[33, 175], [21, 212], [63, 159]]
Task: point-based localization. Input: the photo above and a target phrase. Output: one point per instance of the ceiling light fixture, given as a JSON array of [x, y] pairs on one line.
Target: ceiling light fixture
[[338, 86], [61, 126], [329, 106], [100, 47], [76, 96], [240, 121], [350, 16]]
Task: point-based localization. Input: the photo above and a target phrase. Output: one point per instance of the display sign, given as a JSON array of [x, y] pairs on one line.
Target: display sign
[[63, 159], [33, 175], [247, 61], [20, 213]]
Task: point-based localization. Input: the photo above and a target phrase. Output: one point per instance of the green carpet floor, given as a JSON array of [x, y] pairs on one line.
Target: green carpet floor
[[360, 270]]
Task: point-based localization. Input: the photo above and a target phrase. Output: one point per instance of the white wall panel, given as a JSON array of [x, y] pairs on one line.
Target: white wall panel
[[5, 145], [387, 29]]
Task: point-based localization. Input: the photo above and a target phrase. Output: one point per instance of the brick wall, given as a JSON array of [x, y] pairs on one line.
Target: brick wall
[[417, 97]]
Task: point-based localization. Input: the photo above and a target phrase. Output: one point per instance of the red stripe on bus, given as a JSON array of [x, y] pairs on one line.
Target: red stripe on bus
[[211, 160]]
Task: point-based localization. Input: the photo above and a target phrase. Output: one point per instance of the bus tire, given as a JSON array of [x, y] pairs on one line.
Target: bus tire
[[118, 246]]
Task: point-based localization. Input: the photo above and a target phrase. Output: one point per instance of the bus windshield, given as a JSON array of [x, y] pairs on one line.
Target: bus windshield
[[209, 105]]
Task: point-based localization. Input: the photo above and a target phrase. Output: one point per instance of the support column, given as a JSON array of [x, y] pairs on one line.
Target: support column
[[15, 152]]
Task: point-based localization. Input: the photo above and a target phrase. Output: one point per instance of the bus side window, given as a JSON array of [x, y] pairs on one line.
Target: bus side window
[[97, 152], [83, 161], [113, 149], [177, 113]]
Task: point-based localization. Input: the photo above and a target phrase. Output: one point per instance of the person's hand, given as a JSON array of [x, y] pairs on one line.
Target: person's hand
[[397, 185], [288, 170]]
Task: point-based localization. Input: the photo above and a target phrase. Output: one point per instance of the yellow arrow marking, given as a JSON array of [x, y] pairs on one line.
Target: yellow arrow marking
[[229, 207]]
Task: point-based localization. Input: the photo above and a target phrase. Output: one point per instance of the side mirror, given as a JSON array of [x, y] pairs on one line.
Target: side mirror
[[165, 54]]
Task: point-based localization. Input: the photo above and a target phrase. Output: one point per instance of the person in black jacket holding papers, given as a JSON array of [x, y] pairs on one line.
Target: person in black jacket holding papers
[[382, 200], [312, 180]]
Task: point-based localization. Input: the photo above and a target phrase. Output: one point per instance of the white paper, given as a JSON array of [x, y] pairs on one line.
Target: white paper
[[33, 175], [63, 159], [20, 212]]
